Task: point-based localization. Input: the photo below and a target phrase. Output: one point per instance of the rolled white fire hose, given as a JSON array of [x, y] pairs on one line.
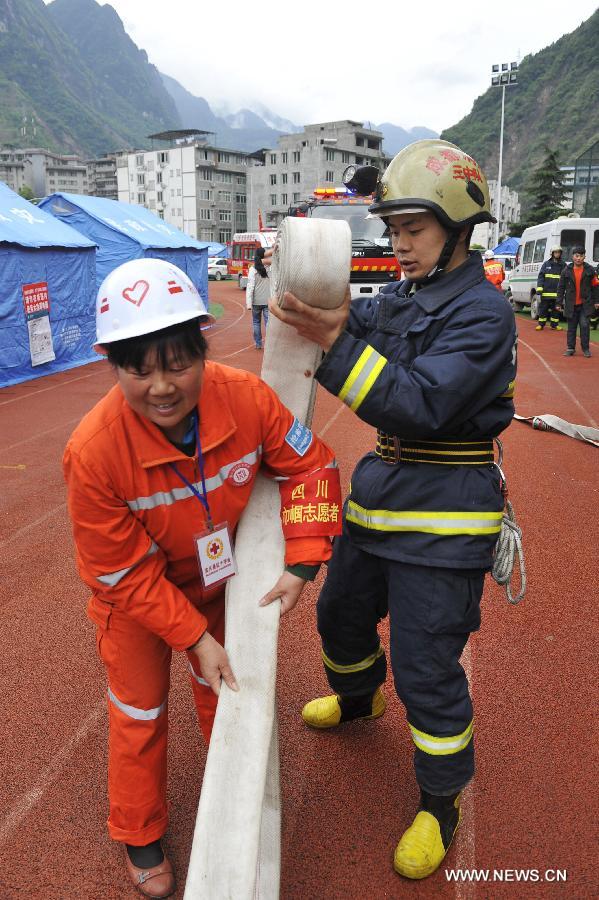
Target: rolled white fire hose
[[312, 259], [237, 839]]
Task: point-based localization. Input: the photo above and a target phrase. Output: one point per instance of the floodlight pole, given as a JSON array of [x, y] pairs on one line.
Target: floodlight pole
[[498, 196]]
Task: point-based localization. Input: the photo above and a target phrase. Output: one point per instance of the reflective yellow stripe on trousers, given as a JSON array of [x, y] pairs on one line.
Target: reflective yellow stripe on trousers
[[352, 667], [444, 746], [424, 520]]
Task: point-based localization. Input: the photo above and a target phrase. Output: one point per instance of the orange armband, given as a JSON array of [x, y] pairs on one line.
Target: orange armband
[[311, 505]]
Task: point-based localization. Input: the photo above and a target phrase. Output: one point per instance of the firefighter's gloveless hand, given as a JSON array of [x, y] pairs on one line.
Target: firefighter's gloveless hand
[[322, 326], [214, 663], [288, 589]]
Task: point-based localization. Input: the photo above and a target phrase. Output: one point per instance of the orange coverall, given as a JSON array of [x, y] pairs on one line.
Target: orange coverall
[[133, 523], [494, 272]]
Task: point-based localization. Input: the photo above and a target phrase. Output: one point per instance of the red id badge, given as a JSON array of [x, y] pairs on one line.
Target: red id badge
[[216, 559]]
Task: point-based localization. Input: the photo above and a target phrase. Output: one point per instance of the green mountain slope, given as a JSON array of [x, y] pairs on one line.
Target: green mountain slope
[[125, 68], [46, 79], [555, 104]]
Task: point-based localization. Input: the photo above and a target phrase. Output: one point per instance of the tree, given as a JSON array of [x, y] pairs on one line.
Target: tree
[[26, 192], [545, 191]]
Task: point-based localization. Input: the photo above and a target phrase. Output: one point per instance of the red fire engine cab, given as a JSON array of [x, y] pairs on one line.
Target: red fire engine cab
[[243, 251], [373, 261]]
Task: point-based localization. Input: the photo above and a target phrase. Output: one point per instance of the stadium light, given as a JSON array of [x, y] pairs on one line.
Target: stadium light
[[502, 75]]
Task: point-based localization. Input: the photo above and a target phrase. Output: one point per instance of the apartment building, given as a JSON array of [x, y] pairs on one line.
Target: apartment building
[[101, 174], [484, 233], [199, 188], [315, 157], [43, 171]]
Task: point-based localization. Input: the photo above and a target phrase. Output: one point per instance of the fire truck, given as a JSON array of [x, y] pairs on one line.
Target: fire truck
[[373, 261], [243, 250]]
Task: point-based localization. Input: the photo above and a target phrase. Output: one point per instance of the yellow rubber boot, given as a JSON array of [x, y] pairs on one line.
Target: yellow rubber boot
[[539, 327], [325, 712], [422, 847]]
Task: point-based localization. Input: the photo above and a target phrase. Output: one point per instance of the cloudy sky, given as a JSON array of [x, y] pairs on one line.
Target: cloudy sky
[[419, 63]]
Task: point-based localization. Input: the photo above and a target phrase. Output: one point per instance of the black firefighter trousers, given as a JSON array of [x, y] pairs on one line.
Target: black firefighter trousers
[[431, 614]]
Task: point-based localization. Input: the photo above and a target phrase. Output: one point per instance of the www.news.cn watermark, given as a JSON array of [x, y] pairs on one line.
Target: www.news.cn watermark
[[534, 876]]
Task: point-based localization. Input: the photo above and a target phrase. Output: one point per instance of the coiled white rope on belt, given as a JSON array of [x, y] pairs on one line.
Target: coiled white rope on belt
[[237, 839], [508, 547], [312, 259]]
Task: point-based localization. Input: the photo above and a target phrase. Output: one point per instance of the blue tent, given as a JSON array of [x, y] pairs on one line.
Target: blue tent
[[509, 247], [222, 250], [47, 292], [124, 231]]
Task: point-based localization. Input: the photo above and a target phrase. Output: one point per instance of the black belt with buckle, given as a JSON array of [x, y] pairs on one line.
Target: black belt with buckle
[[393, 450]]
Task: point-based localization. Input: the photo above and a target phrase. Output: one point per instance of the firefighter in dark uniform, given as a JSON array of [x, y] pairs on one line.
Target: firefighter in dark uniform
[[430, 362], [547, 282]]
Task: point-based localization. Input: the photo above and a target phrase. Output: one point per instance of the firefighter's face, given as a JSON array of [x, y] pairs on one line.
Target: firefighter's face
[[164, 396], [417, 240]]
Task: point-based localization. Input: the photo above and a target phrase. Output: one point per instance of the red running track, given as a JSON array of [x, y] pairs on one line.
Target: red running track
[[347, 794]]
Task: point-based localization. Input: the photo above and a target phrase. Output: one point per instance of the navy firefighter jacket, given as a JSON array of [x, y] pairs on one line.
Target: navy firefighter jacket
[[433, 370]]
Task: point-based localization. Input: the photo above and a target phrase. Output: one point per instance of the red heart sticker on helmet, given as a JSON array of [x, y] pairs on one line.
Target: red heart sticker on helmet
[[136, 293]]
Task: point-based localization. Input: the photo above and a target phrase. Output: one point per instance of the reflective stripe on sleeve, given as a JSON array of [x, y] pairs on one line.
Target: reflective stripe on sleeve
[[424, 520], [111, 579], [143, 715], [510, 390], [444, 746], [362, 377], [352, 667], [197, 678], [167, 498]]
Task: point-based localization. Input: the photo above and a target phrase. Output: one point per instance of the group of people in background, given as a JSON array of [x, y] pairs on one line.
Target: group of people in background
[[574, 288], [571, 288]]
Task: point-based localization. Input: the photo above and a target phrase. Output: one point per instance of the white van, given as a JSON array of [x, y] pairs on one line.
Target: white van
[[535, 246]]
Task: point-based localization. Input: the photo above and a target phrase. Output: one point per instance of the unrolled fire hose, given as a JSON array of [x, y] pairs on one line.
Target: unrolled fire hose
[[236, 845]]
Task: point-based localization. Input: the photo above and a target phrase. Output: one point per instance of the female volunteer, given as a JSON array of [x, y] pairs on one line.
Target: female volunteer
[[158, 474]]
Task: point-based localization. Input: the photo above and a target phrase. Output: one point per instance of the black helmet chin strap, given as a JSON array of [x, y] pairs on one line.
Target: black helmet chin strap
[[444, 257]]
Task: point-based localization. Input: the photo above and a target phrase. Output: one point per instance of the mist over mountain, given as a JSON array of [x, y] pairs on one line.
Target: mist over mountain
[[73, 80]]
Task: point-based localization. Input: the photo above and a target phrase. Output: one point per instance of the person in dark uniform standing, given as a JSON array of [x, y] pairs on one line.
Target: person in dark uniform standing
[[430, 362], [578, 293], [547, 282]]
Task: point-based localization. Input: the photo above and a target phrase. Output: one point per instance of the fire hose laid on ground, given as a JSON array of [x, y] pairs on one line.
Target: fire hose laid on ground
[[236, 845]]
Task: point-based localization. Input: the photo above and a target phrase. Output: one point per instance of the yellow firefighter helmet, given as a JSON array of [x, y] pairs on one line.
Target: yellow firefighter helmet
[[437, 176]]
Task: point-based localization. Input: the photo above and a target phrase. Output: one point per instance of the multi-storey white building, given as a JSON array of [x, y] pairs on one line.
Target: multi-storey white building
[[195, 186], [301, 162], [484, 234], [42, 171]]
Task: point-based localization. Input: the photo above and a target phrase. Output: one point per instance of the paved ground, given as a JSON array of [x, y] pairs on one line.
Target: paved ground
[[347, 795]]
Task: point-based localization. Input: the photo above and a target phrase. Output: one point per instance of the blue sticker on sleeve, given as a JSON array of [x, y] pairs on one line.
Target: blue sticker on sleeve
[[299, 437]]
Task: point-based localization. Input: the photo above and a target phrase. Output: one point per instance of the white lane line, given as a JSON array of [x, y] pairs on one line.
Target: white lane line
[[465, 856], [40, 434], [52, 387], [21, 531], [229, 355], [566, 389], [25, 804], [333, 419]]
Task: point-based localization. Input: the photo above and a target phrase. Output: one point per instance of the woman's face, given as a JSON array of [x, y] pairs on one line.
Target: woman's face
[[164, 396]]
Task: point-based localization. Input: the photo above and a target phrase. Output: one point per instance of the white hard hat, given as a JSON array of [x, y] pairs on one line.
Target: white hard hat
[[488, 254], [142, 296]]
